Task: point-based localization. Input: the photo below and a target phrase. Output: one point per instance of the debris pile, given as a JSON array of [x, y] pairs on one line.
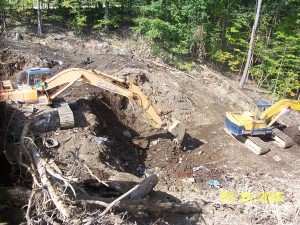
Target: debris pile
[[61, 196]]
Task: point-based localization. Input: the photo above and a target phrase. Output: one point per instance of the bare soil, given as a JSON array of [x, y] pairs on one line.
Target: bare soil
[[199, 99]]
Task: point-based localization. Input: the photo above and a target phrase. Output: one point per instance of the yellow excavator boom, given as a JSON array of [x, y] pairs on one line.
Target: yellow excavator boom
[[58, 83], [278, 107], [66, 78]]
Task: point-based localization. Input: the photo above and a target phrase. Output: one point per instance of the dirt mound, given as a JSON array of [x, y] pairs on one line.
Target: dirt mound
[[293, 132], [10, 63]]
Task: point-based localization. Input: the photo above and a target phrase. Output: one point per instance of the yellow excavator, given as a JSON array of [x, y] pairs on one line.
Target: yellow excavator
[[250, 126], [40, 87]]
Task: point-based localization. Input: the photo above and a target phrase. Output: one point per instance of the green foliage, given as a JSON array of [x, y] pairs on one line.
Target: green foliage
[[78, 20], [186, 65], [275, 63], [236, 37], [174, 26], [279, 64], [277, 54], [102, 22], [186, 31], [4, 5], [113, 21], [54, 17]]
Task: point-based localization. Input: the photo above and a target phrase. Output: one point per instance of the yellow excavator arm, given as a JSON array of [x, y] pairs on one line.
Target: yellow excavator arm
[[63, 80], [58, 83], [279, 107]]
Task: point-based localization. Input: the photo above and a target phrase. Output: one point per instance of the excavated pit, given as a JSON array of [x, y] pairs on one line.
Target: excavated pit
[[129, 144], [124, 136], [118, 129]]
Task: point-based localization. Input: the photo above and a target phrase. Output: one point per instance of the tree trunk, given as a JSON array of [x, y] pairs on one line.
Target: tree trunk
[[106, 17], [224, 18], [251, 45], [158, 208], [144, 188], [39, 18], [1, 26], [2, 18]]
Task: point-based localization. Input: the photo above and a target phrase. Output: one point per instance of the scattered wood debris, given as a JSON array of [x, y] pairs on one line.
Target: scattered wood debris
[[57, 197]]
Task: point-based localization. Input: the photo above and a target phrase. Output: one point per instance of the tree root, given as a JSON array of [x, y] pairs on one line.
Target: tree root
[[62, 200]]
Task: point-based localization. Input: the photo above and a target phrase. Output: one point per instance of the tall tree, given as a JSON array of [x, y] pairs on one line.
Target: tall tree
[[3, 4], [251, 44], [106, 17], [39, 19]]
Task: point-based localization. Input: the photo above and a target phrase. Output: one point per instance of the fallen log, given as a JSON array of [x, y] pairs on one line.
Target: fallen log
[[157, 209], [148, 206], [144, 188], [110, 206], [44, 171], [133, 203]]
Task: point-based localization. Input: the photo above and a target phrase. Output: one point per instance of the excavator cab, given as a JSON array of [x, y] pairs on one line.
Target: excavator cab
[[258, 106], [33, 78]]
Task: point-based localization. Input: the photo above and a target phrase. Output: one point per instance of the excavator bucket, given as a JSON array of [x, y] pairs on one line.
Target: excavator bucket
[[152, 111], [178, 130]]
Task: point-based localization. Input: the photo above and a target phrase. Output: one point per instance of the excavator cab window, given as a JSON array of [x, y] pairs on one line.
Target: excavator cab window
[[259, 106], [22, 79], [36, 80], [259, 110], [32, 80], [34, 77]]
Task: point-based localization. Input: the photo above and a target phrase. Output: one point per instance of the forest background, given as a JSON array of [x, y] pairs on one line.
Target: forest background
[[187, 32]]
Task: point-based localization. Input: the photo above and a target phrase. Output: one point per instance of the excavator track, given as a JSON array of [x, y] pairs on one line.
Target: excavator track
[[255, 144], [66, 116], [282, 139]]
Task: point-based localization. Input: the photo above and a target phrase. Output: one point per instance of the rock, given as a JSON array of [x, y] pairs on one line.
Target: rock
[[178, 130], [126, 133], [190, 180], [154, 142], [143, 143], [101, 140], [276, 158]]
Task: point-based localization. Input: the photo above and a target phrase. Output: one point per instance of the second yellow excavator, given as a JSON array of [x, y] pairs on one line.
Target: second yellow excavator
[[250, 126], [40, 87]]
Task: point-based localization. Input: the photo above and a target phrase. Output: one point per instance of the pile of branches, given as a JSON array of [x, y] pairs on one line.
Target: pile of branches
[[57, 195]]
